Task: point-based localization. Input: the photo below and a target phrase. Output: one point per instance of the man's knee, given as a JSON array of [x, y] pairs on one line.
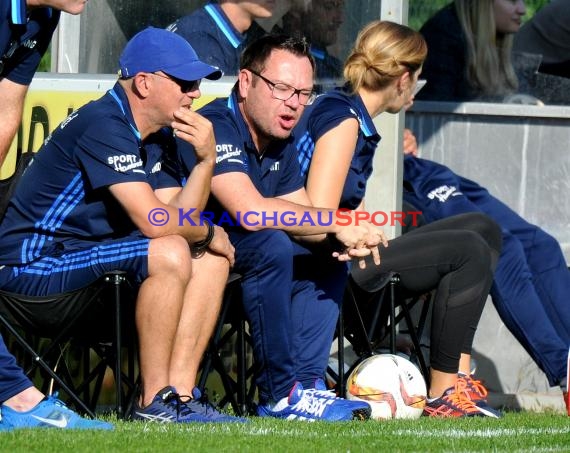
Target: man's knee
[[169, 254], [214, 267], [545, 252], [547, 243]]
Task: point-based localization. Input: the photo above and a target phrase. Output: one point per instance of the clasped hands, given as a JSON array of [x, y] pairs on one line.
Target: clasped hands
[[359, 240]]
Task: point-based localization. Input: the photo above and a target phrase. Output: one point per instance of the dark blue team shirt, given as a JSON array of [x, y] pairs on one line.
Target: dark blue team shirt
[[276, 173], [24, 38], [328, 111], [62, 203], [213, 37]]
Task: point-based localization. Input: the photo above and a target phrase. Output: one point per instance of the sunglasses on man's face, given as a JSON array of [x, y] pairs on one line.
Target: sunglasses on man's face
[[186, 86]]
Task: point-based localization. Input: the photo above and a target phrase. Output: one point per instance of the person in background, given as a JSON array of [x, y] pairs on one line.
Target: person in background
[[292, 279], [547, 33], [22, 405], [218, 32], [25, 33], [91, 202], [336, 142], [469, 51], [319, 22], [532, 280]]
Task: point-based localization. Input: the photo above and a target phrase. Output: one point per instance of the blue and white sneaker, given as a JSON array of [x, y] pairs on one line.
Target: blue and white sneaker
[[48, 413], [309, 405], [361, 410], [168, 407], [203, 407]]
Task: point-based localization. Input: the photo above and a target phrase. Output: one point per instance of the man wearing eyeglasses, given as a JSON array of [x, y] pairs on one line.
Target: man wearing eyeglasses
[[104, 193], [291, 288]]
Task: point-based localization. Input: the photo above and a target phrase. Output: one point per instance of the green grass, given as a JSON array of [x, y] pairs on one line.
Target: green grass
[[515, 432]]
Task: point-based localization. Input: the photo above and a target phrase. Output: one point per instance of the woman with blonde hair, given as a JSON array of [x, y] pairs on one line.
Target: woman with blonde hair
[[470, 44], [336, 141]]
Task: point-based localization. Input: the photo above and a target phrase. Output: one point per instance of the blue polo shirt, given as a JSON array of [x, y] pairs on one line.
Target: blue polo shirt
[[62, 203], [273, 174], [213, 37], [24, 38], [328, 111]]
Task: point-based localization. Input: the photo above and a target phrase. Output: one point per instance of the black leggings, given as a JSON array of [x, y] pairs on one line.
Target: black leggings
[[455, 256]]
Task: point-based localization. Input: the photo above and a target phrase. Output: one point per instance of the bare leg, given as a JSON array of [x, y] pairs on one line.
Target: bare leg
[[202, 302], [158, 309], [465, 364], [25, 400], [441, 381]]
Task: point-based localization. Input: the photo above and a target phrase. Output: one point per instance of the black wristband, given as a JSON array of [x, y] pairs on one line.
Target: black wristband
[[200, 246]]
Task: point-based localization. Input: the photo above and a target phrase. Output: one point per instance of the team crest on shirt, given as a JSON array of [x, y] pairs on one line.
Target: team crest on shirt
[[443, 193]]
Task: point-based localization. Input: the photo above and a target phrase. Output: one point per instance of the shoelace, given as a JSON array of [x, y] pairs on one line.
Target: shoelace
[[322, 393], [206, 407], [311, 404], [55, 400], [459, 400], [467, 384], [174, 399]]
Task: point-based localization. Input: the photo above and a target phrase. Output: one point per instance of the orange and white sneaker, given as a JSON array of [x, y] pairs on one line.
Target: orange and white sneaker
[[476, 392], [452, 404]]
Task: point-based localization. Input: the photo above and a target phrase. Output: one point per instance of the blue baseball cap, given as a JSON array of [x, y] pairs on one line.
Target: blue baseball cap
[[157, 49]]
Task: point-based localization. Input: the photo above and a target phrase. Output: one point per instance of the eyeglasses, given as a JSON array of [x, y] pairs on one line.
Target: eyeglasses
[[284, 92], [185, 85]]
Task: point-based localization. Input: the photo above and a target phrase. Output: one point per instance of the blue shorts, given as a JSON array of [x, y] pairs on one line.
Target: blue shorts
[[78, 268]]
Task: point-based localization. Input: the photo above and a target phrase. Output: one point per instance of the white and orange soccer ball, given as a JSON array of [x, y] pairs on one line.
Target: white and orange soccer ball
[[392, 385]]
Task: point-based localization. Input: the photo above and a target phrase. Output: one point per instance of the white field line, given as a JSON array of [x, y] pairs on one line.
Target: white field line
[[421, 432], [483, 433]]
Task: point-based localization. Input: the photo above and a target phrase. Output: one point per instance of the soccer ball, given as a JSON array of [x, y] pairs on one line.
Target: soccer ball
[[392, 385]]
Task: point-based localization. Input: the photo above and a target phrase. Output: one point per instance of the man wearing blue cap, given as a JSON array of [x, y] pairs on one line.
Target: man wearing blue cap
[[104, 193]]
